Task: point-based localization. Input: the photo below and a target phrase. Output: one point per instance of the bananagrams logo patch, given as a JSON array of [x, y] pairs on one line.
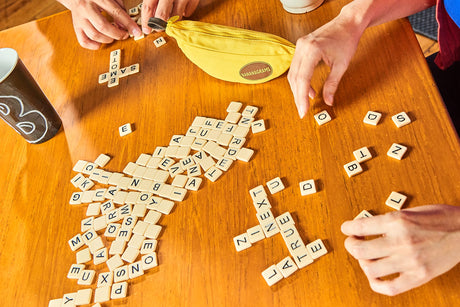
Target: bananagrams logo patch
[[256, 71]]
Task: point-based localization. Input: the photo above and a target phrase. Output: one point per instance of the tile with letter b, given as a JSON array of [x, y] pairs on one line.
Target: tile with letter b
[[353, 168]]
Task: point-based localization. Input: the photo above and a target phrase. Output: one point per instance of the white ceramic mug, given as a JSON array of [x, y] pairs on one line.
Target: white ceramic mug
[[300, 6]]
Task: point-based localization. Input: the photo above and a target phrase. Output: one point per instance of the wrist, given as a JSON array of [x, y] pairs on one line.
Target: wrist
[[67, 3], [355, 18]]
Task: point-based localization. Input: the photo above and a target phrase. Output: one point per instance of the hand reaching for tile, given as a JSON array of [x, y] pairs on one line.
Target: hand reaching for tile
[[419, 243]]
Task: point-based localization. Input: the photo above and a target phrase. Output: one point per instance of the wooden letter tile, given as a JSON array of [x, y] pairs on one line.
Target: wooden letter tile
[[86, 278], [119, 290], [353, 168], [275, 185], [287, 266], [234, 106], [242, 242], [102, 294], [272, 275], [255, 234], [401, 119], [397, 151], [362, 154], [258, 126], [363, 214], [322, 117], [125, 129], [307, 187], [372, 118], [316, 249], [396, 200]]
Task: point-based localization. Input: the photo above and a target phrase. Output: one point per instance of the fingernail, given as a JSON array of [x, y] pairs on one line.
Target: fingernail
[[137, 32], [146, 30], [301, 111], [329, 100]]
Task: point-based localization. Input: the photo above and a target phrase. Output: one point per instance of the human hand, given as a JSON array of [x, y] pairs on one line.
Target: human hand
[[419, 244], [92, 28], [334, 43], [164, 9]]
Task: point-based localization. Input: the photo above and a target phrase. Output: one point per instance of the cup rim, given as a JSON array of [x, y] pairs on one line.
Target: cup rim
[[15, 54]]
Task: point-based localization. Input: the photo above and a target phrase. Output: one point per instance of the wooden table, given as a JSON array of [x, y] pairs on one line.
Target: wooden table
[[198, 262]]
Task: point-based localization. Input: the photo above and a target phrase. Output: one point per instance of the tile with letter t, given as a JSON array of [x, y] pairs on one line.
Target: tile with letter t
[[362, 154]]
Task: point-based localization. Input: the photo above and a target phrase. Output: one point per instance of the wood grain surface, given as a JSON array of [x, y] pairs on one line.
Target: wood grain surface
[[198, 264]]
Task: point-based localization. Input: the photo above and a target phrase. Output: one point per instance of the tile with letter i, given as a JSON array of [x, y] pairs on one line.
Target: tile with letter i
[[272, 275], [372, 118], [255, 234], [362, 154], [316, 249], [287, 266], [307, 187], [242, 242], [396, 200], [353, 168], [397, 151], [322, 117], [401, 119]]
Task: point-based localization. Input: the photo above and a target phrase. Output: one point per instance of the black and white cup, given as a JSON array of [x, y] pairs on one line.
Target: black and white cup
[[23, 105], [300, 6]]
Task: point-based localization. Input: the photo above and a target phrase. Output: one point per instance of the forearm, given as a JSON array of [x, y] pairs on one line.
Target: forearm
[[66, 3], [367, 13]]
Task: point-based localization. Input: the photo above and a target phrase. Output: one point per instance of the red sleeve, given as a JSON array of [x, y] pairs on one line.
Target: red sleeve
[[448, 38]]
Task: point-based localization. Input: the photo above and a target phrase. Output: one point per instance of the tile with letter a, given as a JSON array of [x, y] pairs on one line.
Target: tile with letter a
[[287, 266], [396, 200], [242, 242], [316, 249], [353, 168], [322, 118], [401, 119], [272, 275], [397, 151]]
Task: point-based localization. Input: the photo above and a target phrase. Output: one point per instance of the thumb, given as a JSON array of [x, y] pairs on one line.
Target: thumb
[[332, 82]]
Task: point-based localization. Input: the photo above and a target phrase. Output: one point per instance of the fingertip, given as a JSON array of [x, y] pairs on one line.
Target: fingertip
[[329, 99], [146, 30], [301, 110]]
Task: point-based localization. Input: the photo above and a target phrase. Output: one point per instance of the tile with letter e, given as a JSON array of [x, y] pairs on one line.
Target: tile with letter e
[[316, 249], [284, 220], [125, 129]]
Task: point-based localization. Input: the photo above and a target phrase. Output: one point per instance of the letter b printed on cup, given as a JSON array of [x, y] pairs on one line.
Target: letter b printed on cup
[[23, 105]]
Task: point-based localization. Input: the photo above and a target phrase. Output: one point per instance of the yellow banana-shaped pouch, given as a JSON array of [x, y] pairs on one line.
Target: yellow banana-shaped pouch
[[228, 53]]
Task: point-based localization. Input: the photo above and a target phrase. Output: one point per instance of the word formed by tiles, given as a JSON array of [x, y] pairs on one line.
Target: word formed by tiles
[[112, 77], [269, 225]]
